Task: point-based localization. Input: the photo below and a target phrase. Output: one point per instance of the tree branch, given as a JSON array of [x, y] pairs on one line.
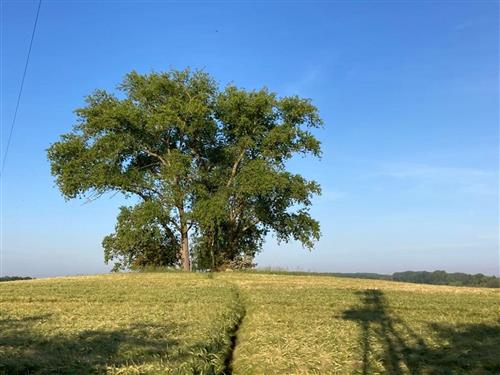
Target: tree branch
[[235, 168], [159, 157], [247, 227], [169, 232]]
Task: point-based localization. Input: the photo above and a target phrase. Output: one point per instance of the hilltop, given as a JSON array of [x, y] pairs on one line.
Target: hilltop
[[245, 323]]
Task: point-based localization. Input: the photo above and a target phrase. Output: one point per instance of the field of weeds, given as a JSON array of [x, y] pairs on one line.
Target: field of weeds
[[245, 323]]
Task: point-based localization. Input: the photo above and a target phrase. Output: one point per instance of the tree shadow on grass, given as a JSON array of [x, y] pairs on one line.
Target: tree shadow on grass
[[467, 348], [25, 349]]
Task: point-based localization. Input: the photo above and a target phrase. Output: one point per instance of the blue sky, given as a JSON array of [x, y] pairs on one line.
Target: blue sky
[[409, 93]]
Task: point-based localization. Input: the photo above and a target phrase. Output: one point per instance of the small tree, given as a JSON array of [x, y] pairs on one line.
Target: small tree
[[207, 164], [142, 238]]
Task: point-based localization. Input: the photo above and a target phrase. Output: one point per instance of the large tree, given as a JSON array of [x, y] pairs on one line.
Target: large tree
[[206, 164]]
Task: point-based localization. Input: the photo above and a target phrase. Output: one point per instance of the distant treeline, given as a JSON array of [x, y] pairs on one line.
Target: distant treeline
[[13, 278], [436, 278], [445, 278], [420, 277]]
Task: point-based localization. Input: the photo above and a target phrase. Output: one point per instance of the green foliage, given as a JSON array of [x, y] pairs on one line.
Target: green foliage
[[14, 278], [142, 237], [211, 160], [249, 192], [444, 278]]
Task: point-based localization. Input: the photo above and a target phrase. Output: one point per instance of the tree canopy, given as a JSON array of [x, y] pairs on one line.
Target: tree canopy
[[207, 164]]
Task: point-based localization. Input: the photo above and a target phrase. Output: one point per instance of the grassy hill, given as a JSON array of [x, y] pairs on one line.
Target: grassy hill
[[245, 323]]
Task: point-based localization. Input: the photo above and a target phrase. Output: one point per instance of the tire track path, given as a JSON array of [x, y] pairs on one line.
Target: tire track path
[[233, 333]]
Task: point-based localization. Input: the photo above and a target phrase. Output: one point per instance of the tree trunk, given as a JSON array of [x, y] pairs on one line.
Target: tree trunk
[[186, 264]]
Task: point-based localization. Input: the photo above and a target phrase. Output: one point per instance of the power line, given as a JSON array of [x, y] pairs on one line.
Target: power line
[[21, 88]]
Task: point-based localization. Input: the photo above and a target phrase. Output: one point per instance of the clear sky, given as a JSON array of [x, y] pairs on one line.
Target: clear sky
[[409, 92]]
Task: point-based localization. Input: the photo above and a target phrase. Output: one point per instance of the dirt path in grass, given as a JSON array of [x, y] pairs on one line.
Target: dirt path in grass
[[233, 334]]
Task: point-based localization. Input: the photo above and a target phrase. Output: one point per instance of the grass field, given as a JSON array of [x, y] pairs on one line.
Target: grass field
[[245, 323], [129, 323]]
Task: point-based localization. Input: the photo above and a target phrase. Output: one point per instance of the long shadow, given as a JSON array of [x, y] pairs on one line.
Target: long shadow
[[466, 349], [26, 350], [375, 319], [471, 348]]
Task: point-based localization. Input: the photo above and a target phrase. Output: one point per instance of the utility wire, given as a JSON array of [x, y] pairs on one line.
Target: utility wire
[[20, 89]]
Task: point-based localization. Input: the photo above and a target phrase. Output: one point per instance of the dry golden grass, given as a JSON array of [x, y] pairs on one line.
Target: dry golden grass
[[127, 324], [157, 323], [328, 325]]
